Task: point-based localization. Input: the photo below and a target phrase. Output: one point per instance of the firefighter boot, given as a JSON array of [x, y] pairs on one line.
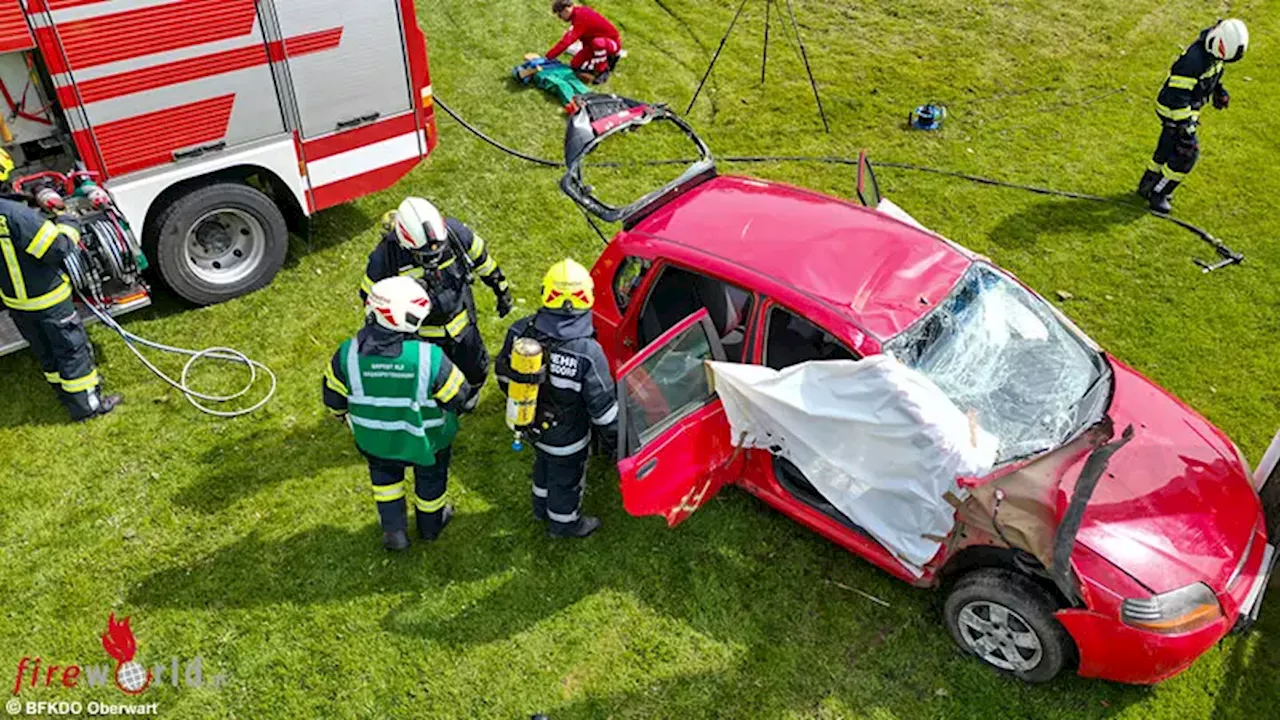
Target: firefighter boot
[[431, 531], [396, 541], [1148, 183], [583, 527], [104, 405], [1162, 199]]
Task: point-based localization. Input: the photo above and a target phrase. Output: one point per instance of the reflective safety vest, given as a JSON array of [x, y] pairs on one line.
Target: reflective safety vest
[[28, 280], [390, 405]]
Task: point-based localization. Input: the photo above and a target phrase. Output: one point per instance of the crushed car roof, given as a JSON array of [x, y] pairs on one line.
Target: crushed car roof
[[884, 273]]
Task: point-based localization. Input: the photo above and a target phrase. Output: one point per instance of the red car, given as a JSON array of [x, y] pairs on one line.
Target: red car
[[1124, 556]]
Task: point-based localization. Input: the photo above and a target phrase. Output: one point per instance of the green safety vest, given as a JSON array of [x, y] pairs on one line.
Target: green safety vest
[[393, 414]]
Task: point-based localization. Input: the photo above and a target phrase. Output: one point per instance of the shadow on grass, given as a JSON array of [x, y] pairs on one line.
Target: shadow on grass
[[248, 463], [330, 227], [1253, 663], [1025, 229]]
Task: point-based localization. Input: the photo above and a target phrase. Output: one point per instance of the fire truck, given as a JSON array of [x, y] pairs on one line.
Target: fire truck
[[187, 138]]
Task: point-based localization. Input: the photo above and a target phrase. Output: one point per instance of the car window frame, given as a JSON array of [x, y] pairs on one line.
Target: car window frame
[[662, 265], [766, 321]]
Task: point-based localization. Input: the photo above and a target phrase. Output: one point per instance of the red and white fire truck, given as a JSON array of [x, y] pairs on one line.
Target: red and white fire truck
[[215, 126]]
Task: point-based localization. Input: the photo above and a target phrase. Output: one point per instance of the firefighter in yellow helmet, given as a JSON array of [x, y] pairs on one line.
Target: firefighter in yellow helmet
[[37, 293], [576, 397]]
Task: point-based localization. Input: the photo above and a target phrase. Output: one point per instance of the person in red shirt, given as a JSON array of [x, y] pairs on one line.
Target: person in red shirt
[[601, 43]]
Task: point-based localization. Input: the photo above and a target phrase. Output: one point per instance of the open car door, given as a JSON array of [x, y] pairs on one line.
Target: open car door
[[674, 447]]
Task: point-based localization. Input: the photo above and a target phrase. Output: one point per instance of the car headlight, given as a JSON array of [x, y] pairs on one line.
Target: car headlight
[[1177, 611]]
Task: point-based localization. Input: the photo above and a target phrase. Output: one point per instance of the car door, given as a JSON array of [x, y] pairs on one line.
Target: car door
[[674, 445]]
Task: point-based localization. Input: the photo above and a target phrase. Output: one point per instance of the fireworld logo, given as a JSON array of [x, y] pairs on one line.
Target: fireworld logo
[[130, 676]]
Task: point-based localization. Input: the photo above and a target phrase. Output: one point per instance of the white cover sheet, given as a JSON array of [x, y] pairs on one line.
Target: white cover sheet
[[878, 440]]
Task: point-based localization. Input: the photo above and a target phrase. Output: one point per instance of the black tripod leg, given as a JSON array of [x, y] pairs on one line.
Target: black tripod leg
[[764, 59], [715, 57], [805, 57]]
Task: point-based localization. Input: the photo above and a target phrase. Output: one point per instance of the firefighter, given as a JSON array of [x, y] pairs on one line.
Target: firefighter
[[600, 42], [1196, 79], [443, 254], [38, 295], [576, 396], [401, 396]]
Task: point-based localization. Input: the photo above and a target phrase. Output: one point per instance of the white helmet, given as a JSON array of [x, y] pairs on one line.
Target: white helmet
[[1228, 40], [398, 303], [420, 228]]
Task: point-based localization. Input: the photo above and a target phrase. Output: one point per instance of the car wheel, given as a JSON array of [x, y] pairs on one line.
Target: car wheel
[[219, 242], [1007, 621]]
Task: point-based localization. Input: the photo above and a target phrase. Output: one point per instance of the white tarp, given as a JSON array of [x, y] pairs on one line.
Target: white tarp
[[877, 439]]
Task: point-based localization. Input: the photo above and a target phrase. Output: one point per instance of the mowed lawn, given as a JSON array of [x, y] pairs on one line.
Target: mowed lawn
[[253, 543]]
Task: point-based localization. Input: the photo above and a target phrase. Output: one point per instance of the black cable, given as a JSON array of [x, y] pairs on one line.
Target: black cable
[[716, 56], [475, 131], [805, 56], [764, 57]]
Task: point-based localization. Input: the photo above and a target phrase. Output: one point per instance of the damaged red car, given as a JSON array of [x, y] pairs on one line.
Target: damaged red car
[[790, 343]]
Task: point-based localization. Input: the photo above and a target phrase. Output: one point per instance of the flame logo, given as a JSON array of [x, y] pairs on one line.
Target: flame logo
[[131, 677]]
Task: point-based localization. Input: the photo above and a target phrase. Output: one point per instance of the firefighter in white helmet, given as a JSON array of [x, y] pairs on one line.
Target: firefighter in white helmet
[[401, 396], [575, 399], [1194, 81], [444, 255]]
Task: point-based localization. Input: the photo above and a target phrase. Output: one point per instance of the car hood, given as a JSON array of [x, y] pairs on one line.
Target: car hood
[[1175, 505]]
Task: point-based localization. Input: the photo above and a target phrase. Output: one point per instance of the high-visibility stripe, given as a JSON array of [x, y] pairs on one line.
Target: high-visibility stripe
[[487, 267], [44, 238], [1154, 166], [54, 378], [15, 272], [565, 450], [1173, 113], [337, 412], [430, 506], [1178, 176], [413, 271], [398, 425], [563, 517], [42, 302], [608, 416], [336, 385], [81, 384], [367, 284], [540, 492], [451, 386], [388, 493], [1182, 82], [445, 264], [454, 327], [477, 248], [1214, 69]]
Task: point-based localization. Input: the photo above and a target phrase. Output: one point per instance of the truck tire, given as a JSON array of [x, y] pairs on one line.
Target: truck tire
[[1007, 621], [219, 242]]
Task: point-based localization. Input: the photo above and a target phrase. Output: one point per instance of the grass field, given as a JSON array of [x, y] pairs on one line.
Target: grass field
[[253, 543]]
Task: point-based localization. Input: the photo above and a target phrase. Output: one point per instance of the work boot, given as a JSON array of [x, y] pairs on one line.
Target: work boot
[[105, 405], [1162, 199], [397, 541], [429, 535], [1148, 183], [584, 526]]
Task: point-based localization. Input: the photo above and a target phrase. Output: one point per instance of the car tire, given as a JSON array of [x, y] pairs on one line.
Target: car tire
[[218, 242], [1007, 621]]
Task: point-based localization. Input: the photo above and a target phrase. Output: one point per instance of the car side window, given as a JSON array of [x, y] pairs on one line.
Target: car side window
[[630, 274], [678, 293], [791, 340]]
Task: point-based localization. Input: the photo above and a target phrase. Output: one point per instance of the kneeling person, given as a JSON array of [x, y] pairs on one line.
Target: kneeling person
[[576, 396], [401, 396]]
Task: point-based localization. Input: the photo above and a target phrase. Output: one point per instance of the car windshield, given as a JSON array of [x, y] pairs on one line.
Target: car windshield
[[1001, 352]]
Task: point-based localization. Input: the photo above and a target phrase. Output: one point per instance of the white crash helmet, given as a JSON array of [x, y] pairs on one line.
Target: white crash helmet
[[1228, 40], [398, 303], [419, 225]]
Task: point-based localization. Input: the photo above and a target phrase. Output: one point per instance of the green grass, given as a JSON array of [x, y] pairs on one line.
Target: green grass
[[253, 543]]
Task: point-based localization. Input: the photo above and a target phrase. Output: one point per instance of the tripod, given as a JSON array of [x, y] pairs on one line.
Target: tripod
[[764, 61]]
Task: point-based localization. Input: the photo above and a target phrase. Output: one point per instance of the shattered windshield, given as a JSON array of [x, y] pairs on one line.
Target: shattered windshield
[[999, 351]]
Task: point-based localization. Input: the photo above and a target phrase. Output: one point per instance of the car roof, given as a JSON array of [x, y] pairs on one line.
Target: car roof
[[880, 273]]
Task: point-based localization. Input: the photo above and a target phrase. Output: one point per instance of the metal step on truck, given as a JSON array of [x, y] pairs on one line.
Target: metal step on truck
[[188, 137]]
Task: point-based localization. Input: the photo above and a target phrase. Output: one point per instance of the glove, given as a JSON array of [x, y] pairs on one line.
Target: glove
[[1221, 98], [505, 303]]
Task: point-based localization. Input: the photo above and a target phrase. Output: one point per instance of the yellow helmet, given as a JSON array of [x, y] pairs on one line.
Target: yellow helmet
[[568, 286], [6, 165]]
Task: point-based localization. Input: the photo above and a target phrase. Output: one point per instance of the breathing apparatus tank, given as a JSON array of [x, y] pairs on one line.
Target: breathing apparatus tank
[[522, 397]]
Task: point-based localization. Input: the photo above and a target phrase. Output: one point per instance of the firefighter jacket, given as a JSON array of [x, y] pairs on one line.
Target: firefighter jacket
[[401, 395], [578, 393], [33, 249], [453, 307], [1192, 81]]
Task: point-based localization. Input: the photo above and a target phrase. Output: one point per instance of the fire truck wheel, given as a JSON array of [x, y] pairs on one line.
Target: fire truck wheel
[[219, 242]]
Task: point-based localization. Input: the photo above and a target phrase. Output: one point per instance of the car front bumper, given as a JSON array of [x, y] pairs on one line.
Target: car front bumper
[[1252, 603]]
